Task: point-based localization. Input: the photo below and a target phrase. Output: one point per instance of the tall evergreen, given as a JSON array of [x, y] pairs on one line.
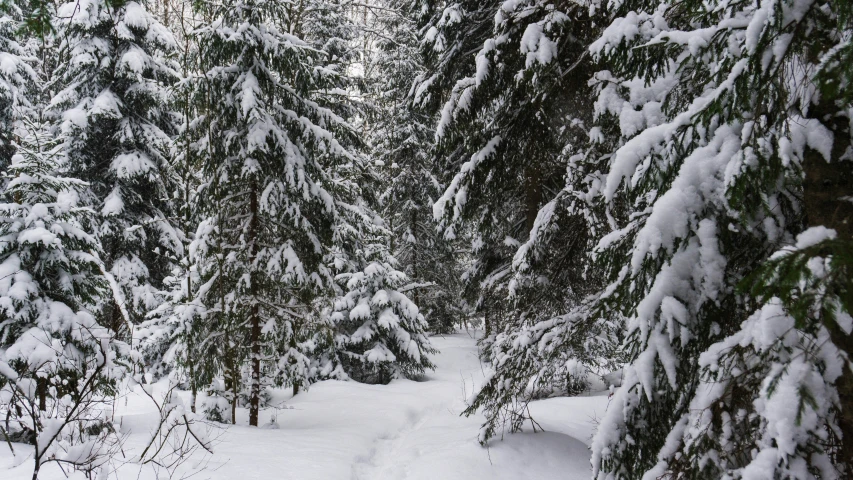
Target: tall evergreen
[[402, 138], [171, 336], [521, 121], [269, 199], [113, 112], [515, 123], [723, 122]]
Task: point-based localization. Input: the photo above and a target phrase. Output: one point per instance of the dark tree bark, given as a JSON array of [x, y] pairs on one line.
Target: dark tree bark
[[827, 188], [254, 320], [41, 386]]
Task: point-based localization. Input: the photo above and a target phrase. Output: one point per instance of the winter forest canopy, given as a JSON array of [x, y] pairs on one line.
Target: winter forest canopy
[[227, 198]]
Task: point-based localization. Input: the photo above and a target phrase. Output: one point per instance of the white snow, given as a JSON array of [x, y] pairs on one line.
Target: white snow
[[813, 236], [350, 431]]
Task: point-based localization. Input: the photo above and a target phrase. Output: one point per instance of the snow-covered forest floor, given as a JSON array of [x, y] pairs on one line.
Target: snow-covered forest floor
[[347, 430]]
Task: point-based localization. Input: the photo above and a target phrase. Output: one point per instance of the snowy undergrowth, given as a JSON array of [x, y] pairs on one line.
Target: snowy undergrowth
[[350, 431]]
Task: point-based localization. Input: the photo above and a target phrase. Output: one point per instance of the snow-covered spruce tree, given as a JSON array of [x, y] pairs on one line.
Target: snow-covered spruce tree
[[727, 113], [113, 111], [267, 148], [516, 120], [522, 119], [17, 78], [331, 27], [58, 365], [449, 33], [503, 132], [402, 140], [380, 332]]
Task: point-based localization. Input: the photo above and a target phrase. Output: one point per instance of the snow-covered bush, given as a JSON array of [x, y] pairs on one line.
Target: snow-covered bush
[[59, 367], [381, 332]]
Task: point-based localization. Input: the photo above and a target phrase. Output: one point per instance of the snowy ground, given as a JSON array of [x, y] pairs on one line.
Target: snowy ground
[[403, 431]]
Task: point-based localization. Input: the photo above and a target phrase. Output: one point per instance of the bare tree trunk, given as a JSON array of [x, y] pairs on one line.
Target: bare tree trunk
[[191, 359], [486, 322], [41, 386], [825, 188], [255, 321], [235, 392], [415, 251], [255, 390], [231, 378]]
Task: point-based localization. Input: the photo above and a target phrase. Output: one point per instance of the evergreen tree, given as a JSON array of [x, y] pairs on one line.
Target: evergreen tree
[[516, 121], [17, 78], [48, 254], [171, 335], [269, 199], [380, 332], [719, 111], [522, 118], [113, 111], [402, 139], [57, 363], [449, 34]]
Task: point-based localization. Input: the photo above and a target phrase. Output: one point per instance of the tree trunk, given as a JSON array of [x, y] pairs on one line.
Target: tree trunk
[[415, 251], [255, 391], [41, 386], [191, 359], [254, 321], [486, 323], [232, 378], [825, 187], [191, 356], [234, 394]]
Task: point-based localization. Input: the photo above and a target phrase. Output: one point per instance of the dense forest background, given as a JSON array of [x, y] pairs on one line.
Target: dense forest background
[[237, 195]]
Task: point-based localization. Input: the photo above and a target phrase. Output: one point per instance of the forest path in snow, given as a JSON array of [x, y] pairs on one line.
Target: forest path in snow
[[436, 442], [405, 430]]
